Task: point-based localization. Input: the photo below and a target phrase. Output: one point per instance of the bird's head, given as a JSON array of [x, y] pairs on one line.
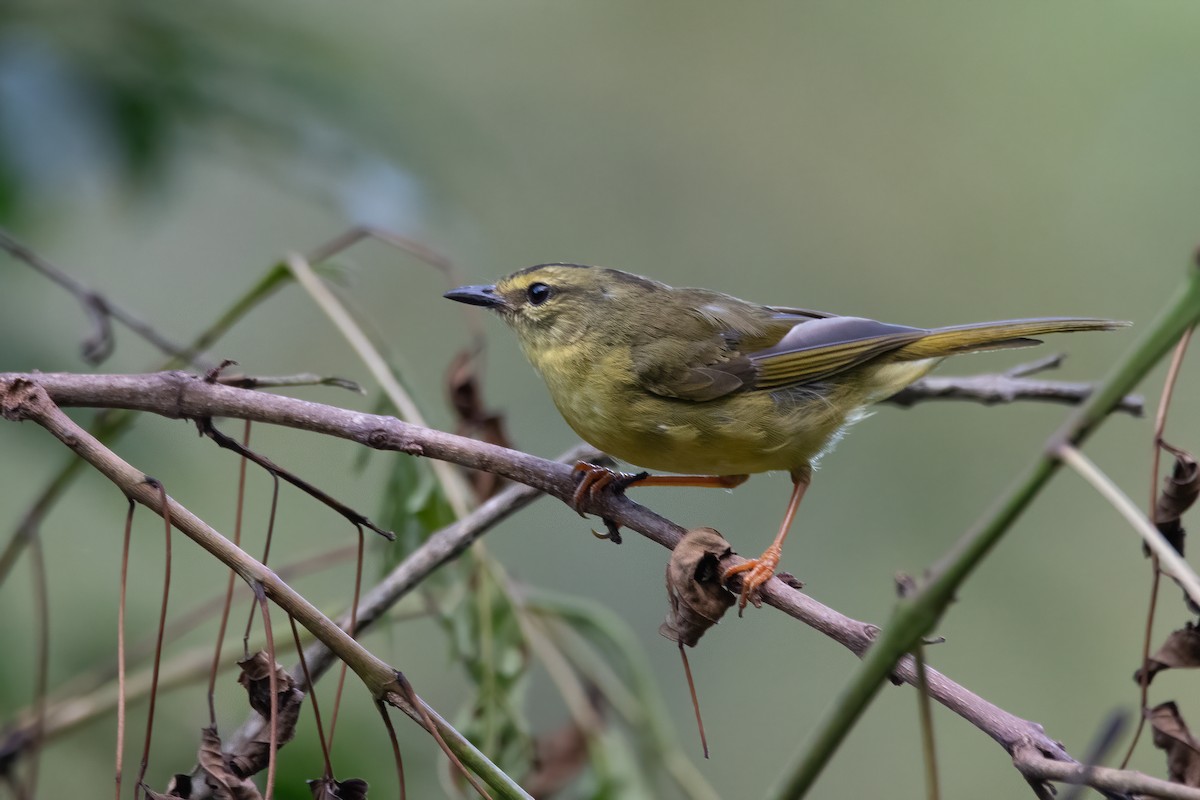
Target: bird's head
[[553, 305]]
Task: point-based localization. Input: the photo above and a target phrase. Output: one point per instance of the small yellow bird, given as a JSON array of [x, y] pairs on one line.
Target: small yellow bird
[[697, 382]]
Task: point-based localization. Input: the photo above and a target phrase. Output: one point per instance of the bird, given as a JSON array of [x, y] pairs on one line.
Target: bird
[[714, 388]]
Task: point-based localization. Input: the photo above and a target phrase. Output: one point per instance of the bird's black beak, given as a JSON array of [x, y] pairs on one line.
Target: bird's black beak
[[476, 296]]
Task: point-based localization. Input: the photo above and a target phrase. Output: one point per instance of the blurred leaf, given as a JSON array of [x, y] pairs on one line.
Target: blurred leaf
[[623, 778], [413, 507], [329, 789], [96, 92], [1179, 493], [618, 668], [486, 639], [465, 391], [559, 758], [1181, 650], [1183, 750]]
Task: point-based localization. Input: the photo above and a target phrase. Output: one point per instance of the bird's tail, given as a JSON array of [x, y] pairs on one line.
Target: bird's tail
[[942, 342]]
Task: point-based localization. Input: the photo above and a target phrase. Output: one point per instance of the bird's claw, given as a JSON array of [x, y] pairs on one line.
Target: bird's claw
[[759, 571], [593, 479]]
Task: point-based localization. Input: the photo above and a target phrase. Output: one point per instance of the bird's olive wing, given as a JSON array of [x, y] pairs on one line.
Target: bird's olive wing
[[690, 369], [772, 349], [815, 350]]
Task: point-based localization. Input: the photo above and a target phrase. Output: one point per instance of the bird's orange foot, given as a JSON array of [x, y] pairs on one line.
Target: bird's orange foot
[[759, 572], [593, 479]]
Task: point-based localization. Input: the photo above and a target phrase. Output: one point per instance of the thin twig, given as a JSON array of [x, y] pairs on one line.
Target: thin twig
[[266, 556], [691, 684], [227, 606], [402, 694], [289, 381], [1124, 783], [396, 757], [1160, 424], [347, 239], [928, 746], [41, 605], [99, 308], [156, 487], [121, 687], [351, 629], [310, 689], [260, 596], [205, 424], [1179, 569]]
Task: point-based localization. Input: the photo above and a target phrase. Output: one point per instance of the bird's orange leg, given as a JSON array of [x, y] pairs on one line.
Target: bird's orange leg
[[594, 479], [762, 568]]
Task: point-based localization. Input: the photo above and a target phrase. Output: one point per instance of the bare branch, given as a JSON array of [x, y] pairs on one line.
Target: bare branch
[[180, 395], [1007, 387], [1036, 767], [99, 345]]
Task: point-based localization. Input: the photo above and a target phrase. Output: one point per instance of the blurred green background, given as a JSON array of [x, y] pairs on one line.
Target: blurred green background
[[925, 163]]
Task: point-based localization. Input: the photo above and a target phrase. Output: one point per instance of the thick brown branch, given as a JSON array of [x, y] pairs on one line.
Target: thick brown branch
[[180, 395]]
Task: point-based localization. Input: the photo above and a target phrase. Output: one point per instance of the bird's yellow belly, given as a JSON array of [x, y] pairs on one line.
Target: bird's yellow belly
[[736, 435], [748, 432]]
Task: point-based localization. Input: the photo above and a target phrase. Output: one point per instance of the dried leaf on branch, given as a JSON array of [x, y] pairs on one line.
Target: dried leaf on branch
[[1183, 750], [1181, 650], [698, 599], [256, 677], [329, 789], [1179, 493], [464, 390]]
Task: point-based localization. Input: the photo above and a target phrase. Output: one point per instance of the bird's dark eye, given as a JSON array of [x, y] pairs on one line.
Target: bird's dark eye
[[538, 293]]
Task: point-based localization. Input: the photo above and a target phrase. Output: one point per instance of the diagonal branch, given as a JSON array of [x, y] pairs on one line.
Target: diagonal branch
[[440, 548], [100, 310], [22, 400]]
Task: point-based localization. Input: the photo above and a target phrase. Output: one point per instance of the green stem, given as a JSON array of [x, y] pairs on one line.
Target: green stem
[[473, 759], [915, 616]]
